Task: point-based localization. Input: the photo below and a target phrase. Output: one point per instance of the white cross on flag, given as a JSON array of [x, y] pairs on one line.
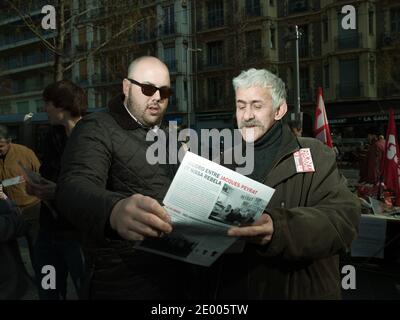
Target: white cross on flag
[[321, 127]]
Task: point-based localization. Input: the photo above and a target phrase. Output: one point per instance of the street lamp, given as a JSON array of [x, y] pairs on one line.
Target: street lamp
[[296, 37], [188, 82]]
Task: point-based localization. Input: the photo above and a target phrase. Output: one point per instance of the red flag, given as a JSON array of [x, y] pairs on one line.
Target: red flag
[[391, 161], [321, 126]]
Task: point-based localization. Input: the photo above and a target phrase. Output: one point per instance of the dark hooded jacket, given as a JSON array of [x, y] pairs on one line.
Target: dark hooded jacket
[[14, 280], [104, 162]]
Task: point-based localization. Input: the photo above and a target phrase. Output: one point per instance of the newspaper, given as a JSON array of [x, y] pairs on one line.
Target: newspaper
[[204, 200], [13, 181]]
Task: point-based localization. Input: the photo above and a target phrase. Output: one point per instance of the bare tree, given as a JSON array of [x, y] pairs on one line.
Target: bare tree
[[118, 17]]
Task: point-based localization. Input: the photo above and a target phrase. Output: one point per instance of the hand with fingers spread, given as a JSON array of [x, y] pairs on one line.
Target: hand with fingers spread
[[260, 232], [139, 216]]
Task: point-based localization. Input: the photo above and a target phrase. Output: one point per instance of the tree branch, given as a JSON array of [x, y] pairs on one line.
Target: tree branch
[[93, 51], [33, 28]]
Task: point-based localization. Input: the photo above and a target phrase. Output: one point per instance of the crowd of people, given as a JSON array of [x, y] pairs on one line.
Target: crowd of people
[[97, 193]]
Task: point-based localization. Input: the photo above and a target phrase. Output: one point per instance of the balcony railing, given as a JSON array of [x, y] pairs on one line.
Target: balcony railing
[[352, 41], [25, 62], [349, 90]]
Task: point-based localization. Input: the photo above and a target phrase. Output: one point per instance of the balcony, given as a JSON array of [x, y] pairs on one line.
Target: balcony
[[8, 41], [349, 90], [22, 88], [353, 41], [25, 61]]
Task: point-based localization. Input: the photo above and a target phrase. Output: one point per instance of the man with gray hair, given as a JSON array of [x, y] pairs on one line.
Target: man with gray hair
[[292, 250]]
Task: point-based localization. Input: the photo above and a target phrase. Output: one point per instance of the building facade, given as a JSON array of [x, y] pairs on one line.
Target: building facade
[[207, 43]]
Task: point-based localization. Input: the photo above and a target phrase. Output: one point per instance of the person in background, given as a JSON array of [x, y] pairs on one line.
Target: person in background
[[374, 158], [12, 156], [14, 280], [58, 241]]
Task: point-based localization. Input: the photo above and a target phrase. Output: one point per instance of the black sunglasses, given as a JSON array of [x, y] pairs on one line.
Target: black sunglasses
[[149, 89]]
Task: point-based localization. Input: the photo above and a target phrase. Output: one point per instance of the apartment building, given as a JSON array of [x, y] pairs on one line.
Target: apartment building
[[206, 43], [232, 36], [25, 64]]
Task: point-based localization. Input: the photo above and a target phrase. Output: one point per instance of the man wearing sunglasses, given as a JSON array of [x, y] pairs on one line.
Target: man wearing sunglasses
[[111, 193]]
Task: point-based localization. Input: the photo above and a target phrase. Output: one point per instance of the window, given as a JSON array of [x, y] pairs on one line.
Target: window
[[253, 44], [349, 78], [305, 84], [253, 8], [296, 6], [372, 71], [327, 76], [371, 22], [141, 32], [303, 42], [395, 19], [169, 58], [39, 105], [5, 108], [214, 53], [169, 20], [271, 3], [215, 92], [172, 100], [273, 36], [23, 107], [325, 29], [215, 11], [347, 38]]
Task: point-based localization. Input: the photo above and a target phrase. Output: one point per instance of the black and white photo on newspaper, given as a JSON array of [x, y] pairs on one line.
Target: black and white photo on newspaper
[[204, 200]]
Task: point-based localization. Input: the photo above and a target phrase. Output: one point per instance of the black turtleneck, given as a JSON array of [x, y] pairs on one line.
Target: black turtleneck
[[265, 151]]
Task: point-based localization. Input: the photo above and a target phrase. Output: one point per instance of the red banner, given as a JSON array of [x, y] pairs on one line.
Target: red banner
[[321, 126]]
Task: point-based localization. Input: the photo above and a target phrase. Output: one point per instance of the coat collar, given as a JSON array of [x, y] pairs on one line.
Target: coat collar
[[284, 166], [118, 112]]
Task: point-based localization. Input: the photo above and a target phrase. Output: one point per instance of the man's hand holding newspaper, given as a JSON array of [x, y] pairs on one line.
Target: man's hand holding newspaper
[[260, 232], [211, 208], [139, 216]]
